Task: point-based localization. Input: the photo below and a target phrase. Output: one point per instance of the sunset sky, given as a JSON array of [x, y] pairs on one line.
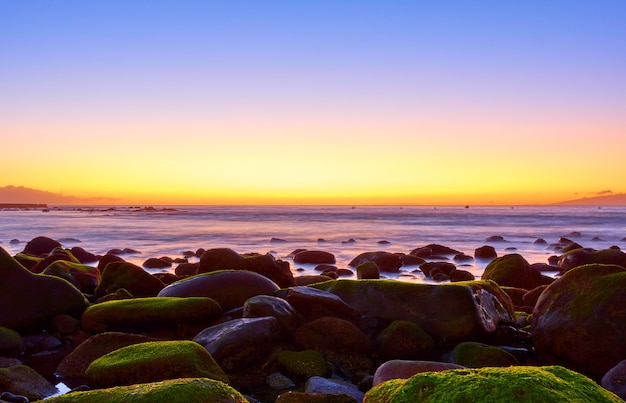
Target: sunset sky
[[332, 102]]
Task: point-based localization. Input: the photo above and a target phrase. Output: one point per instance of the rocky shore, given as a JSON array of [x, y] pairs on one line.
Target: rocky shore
[[76, 327]]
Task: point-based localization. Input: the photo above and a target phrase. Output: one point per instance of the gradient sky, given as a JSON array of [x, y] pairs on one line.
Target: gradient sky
[[334, 102]]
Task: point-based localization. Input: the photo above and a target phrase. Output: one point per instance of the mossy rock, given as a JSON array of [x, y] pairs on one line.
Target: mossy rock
[[459, 311], [477, 355], [512, 384], [583, 256], [84, 277], [306, 363], [153, 361], [172, 390], [25, 381], [514, 271], [11, 342], [578, 321], [405, 340], [152, 313], [126, 275]]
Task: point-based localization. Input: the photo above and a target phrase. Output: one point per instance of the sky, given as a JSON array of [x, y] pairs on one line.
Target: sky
[[324, 102]]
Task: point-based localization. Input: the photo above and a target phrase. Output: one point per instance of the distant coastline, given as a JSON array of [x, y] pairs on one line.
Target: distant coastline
[[607, 200], [23, 206]]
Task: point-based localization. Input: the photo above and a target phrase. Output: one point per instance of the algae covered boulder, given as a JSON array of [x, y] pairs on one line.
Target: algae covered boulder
[[305, 363], [514, 271], [403, 339], [583, 256], [126, 275], [171, 390], [153, 361], [85, 278], [230, 288], [492, 384], [28, 299], [148, 314], [477, 355], [455, 311], [578, 321]]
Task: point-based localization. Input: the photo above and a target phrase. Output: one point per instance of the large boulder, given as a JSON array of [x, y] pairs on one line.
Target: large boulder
[[314, 257], [224, 259], [403, 369], [451, 312], [578, 321], [386, 261], [471, 354], [28, 299], [513, 270], [85, 278], [153, 361], [230, 288], [331, 334], [240, 343], [40, 245], [131, 277], [433, 250], [582, 256], [141, 315], [312, 303], [25, 381], [492, 384], [171, 390], [405, 340]]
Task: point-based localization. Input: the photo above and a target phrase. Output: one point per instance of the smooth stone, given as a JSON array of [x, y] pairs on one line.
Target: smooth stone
[[582, 256], [230, 288], [367, 270], [513, 270], [403, 369], [317, 384], [431, 250], [406, 340], [615, 379], [264, 306], [332, 334], [477, 355], [386, 261], [85, 278], [25, 381], [313, 303], [126, 275], [40, 245], [314, 257]]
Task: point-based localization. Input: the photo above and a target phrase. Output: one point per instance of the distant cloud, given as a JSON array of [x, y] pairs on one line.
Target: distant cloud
[[21, 194], [604, 192]]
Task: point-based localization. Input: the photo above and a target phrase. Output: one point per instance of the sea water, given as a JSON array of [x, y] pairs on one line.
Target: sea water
[[344, 231]]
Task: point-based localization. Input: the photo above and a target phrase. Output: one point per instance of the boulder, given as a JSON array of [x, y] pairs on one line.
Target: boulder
[[313, 303], [615, 379], [317, 384], [11, 343], [28, 299], [171, 390], [485, 252], [126, 275], [153, 361], [477, 355], [386, 261], [332, 334], [513, 270], [55, 255], [25, 381], [83, 256], [230, 288], [85, 278], [492, 384], [578, 321], [149, 314], [433, 250], [76, 363], [452, 312], [314, 257], [240, 343], [405, 340], [403, 369], [305, 364], [582, 256], [156, 263], [40, 245], [227, 259], [264, 305], [367, 270]]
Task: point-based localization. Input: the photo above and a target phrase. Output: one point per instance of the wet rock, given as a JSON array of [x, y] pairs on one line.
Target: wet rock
[[485, 252], [239, 344], [76, 363], [223, 258], [431, 250], [585, 304], [314, 278], [313, 303], [264, 305], [230, 288], [540, 241], [85, 278], [495, 238], [462, 258], [410, 260], [430, 268], [530, 298], [478, 355], [302, 397], [156, 263], [453, 311], [153, 361], [514, 271], [181, 390], [582, 256], [28, 299], [615, 379], [403, 369], [386, 261], [126, 275], [11, 343], [276, 380], [186, 269], [518, 383], [461, 275], [83, 256], [317, 384], [40, 245], [314, 257], [405, 340], [25, 381], [56, 254], [149, 314], [367, 270]]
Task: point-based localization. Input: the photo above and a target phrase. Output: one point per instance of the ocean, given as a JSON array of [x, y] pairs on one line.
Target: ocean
[[344, 231]]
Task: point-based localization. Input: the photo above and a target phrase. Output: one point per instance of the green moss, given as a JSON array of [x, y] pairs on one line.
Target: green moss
[[174, 390], [149, 312], [305, 363], [10, 341], [405, 340], [518, 384], [153, 361], [477, 355]]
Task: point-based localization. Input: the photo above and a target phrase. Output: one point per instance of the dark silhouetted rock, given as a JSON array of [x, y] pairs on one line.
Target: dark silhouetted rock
[[126, 275], [40, 245], [513, 270], [386, 261], [314, 257], [485, 252], [433, 250]]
